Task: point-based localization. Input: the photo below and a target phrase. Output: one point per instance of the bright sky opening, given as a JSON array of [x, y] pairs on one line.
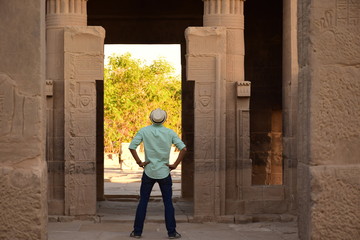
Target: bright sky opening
[[148, 53]]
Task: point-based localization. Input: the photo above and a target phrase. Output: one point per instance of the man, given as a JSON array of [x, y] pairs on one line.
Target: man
[[157, 141]]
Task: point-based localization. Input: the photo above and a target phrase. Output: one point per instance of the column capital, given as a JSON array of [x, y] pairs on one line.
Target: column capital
[[60, 13], [227, 13]]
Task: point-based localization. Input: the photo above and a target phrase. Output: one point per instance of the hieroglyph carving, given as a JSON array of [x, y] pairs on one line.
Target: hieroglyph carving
[[347, 12], [49, 89], [19, 121], [344, 13], [243, 89], [205, 98]]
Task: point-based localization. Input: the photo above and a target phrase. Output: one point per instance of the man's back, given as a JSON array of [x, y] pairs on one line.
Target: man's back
[[157, 141]]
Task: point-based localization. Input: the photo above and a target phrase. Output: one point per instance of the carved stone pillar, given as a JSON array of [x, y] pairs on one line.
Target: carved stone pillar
[[216, 139], [74, 63], [206, 62], [23, 170], [83, 65]]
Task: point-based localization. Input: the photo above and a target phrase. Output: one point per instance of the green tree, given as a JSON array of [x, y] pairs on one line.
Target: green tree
[[132, 90]]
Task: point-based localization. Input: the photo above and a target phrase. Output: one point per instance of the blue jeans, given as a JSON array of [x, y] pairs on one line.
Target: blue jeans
[[165, 185]]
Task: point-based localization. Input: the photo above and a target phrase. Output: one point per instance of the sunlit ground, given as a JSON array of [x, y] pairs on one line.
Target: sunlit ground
[[126, 182]]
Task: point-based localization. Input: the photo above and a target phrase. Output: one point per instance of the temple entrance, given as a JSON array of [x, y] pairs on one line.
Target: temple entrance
[[156, 72], [164, 23], [153, 23]]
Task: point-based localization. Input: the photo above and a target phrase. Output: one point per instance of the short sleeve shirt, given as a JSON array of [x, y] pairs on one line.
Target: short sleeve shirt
[[157, 144]]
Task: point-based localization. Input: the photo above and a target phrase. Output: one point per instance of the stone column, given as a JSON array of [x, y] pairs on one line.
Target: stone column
[[74, 63], [23, 170], [66, 13], [329, 113]]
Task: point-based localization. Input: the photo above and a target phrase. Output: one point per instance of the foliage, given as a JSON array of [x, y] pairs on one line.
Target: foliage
[[132, 90]]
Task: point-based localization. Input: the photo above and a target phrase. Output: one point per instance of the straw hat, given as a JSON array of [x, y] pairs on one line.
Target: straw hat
[[158, 116]]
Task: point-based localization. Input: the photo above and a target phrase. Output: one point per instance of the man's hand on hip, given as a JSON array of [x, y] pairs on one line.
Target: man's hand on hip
[[172, 166]]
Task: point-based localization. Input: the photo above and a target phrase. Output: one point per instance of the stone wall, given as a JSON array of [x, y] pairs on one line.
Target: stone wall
[[23, 170], [329, 113]]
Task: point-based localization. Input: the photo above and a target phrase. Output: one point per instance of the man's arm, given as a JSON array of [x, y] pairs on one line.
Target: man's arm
[[178, 160], [137, 159]]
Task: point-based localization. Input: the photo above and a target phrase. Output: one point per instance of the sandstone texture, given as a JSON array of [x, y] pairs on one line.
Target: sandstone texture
[[23, 170], [329, 134]]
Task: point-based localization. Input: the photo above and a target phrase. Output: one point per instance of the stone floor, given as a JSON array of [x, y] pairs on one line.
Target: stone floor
[[85, 230], [115, 217]]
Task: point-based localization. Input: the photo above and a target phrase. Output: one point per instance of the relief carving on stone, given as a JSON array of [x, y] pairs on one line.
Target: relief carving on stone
[[243, 89], [85, 148], [339, 29], [74, 167], [204, 98], [82, 125], [19, 121], [347, 12], [7, 92], [49, 89], [86, 97], [82, 110], [204, 138], [80, 193]]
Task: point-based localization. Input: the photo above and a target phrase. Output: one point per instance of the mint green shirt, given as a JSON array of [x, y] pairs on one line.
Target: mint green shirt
[[157, 143]]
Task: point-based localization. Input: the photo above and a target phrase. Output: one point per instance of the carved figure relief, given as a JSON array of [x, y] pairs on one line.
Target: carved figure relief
[[85, 148], [205, 138], [204, 100], [82, 125], [86, 95], [18, 116], [6, 104]]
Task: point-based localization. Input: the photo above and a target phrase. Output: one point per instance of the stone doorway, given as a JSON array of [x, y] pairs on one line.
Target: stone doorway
[[164, 23], [263, 68], [159, 22]]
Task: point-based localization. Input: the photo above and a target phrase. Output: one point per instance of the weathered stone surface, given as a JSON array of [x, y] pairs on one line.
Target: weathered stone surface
[[333, 202], [23, 175], [23, 204], [329, 129]]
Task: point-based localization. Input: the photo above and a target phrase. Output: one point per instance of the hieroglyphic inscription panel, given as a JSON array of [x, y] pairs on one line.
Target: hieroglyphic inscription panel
[[347, 12], [203, 69]]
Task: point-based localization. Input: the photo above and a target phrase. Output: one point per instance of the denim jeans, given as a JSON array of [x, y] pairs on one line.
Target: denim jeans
[[165, 185]]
